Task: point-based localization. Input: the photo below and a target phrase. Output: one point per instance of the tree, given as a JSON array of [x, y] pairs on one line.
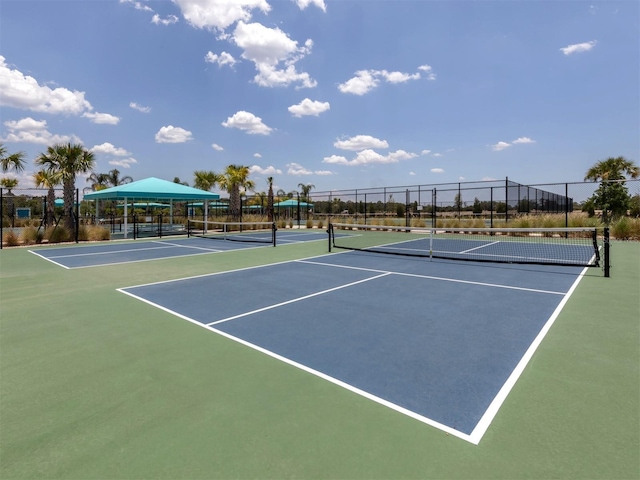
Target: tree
[[205, 180], [9, 183], [612, 196], [234, 178], [270, 199], [14, 162], [68, 160], [305, 189], [49, 180], [114, 178], [98, 181], [177, 180]]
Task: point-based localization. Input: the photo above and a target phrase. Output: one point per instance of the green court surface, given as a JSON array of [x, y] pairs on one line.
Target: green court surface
[[97, 385]]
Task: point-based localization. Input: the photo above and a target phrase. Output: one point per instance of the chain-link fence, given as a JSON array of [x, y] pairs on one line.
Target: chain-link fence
[[492, 203]]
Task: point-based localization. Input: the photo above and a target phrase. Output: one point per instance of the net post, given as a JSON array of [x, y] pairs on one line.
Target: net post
[[329, 232], [273, 232], [607, 263], [188, 227]]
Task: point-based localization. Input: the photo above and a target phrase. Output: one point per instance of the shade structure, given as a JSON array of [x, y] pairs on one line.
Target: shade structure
[[152, 189], [292, 203]]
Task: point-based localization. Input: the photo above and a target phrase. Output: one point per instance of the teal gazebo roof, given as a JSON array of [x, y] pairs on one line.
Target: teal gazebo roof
[[152, 189]]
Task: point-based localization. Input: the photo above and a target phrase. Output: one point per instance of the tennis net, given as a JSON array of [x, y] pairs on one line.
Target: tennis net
[[548, 246], [256, 232]]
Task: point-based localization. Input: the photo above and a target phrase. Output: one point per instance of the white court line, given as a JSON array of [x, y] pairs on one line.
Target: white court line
[[49, 260], [91, 254], [188, 246], [298, 299], [483, 425], [485, 421], [317, 373], [481, 246], [443, 279]]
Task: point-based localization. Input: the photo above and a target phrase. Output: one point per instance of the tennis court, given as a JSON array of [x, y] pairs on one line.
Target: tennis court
[[215, 241], [296, 362], [379, 327]]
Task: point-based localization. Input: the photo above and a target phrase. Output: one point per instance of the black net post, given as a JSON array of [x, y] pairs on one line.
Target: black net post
[[329, 231], [77, 214], [607, 263]]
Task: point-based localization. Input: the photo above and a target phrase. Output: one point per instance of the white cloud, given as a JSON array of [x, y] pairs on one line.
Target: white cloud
[[267, 48], [523, 140], [171, 134], [223, 59], [140, 108], [219, 14], [398, 77], [369, 157], [308, 107], [413, 174], [438, 155], [305, 3], [257, 155], [500, 146], [248, 122], [366, 80], [28, 130], [437, 170], [488, 179], [336, 159], [168, 20], [270, 170], [323, 172], [428, 70], [360, 142], [462, 179], [28, 124], [217, 147], [362, 83], [138, 5], [103, 118], [425, 152], [24, 92], [578, 47], [109, 149], [124, 162], [297, 169]]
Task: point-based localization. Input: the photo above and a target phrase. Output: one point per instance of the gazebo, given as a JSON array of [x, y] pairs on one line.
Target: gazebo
[[150, 189]]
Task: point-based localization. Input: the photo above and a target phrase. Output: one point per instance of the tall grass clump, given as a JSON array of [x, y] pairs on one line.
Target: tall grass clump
[[309, 223], [625, 228], [57, 235], [11, 239], [93, 233], [32, 235]]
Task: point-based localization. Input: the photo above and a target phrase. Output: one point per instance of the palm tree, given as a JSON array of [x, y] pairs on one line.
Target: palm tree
[[612, 169], [14, 162], [48, 179], [205, 180], [233, 179], [177, 180], [68, 160], [305, 189], [98, 181], [114, 179], [270, 199], [612, 196], [260, 197]]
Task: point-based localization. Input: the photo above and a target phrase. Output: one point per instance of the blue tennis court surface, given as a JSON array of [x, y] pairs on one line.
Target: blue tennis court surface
[[144, 250], [442, 342]]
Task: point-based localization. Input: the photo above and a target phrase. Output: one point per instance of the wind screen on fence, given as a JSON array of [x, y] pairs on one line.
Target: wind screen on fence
[[254, 232], [551, 246]]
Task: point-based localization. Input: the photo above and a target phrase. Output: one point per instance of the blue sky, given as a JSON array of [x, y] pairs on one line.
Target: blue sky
[[338, 94]]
